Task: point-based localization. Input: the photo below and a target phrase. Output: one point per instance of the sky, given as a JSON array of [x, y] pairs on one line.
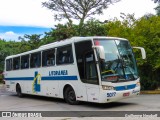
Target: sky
[[19, 17]]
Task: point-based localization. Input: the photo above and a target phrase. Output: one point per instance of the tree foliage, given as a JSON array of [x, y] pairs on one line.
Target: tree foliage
[[30, 42], [6, 49], [158, 9], [77, 9]]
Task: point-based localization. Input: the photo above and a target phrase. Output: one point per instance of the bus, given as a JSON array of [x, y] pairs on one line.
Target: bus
[[93, 69]]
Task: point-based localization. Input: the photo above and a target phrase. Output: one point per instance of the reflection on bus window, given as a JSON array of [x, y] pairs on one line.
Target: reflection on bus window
[[16, 63], [35, 60], [48, 57], [64, 55], [8, 64], [25, 62]]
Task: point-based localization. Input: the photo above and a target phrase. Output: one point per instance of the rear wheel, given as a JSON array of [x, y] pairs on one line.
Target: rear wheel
[[70, 96], [18, 90]]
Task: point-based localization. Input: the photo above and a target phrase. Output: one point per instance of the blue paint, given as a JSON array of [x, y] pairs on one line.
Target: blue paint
[[60, 78], [20, 78], [126, 87], [56, 73], [45, 78], [37, 86], [111, 94]]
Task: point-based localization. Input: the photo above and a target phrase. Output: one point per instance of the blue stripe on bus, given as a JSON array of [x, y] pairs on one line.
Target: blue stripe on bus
[[60, 78], [45, 78], [126, 87], [20, 78]]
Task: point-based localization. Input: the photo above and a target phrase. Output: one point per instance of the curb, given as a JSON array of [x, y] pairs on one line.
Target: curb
[[150, 92]]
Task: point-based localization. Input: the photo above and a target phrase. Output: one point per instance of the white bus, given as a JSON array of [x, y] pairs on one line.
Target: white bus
[[93, 69]]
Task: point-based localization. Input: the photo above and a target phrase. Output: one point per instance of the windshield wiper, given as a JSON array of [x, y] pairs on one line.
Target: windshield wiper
[[130, 72], [122, 64], [126, 66]]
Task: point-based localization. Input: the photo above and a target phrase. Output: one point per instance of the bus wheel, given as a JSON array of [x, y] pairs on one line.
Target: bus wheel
[[18, 90], [69, 96]]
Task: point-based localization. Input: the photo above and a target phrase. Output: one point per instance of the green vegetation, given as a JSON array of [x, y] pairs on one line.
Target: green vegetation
[[144, 32], [77, 9]]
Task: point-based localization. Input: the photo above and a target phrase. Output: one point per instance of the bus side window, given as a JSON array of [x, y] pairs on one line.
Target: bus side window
[[16, 63], [9, 65], [48, 57], [35, 60], [64, 55], [25, 62]]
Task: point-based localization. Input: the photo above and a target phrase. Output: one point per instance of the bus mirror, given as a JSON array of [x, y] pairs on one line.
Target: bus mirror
[[101, 52], [143, 52]]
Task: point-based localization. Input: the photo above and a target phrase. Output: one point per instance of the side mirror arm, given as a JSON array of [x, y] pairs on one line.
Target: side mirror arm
[[143, 52]]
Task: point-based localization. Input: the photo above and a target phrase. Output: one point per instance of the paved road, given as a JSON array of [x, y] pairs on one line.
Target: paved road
[[10, 102]]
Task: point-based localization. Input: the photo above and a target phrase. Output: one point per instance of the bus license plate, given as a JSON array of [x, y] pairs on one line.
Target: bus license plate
[[126, 94]]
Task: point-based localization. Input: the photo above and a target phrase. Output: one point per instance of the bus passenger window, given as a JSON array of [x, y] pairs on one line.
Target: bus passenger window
[[48, 57], [25, 62], [16, 63], [64, 55], [35, 60], [9, 65]]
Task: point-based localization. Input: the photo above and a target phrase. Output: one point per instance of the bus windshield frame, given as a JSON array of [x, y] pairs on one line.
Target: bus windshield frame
[[119, 64]]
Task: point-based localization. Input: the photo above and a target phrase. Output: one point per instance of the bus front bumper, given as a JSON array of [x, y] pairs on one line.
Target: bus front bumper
[[112, 95]]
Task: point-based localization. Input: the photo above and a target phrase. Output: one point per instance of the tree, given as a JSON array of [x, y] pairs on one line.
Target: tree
[[7, 48], [77, 9], [30, 42], [158, 9]]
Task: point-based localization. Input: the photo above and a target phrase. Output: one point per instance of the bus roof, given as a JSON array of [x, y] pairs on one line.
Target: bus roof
[[64, 42]]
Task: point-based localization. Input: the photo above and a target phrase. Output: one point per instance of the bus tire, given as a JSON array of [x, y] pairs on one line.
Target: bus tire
[[70, 96], [18, 90]]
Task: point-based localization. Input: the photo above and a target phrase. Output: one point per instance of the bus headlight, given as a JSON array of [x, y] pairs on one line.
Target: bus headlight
[[105, 87], [138, 84]]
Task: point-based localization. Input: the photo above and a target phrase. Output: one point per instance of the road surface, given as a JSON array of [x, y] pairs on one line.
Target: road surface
[[11, 102]]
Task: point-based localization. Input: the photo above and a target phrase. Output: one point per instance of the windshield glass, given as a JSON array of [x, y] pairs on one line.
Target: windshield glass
[[119, 63]]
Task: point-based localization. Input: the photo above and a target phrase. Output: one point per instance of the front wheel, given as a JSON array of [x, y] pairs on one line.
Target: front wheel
[[69, 96]]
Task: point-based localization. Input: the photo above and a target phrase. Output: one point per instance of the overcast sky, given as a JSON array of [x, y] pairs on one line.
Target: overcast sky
[[30, 13]]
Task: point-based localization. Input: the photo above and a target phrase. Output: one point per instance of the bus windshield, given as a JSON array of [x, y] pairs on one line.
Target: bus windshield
[[119, 63]]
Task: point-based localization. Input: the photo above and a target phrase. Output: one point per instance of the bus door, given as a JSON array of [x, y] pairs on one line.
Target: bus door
[[87, 70], [92, 83]]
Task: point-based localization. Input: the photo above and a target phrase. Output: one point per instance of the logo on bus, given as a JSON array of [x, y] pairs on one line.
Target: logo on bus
[[58, 73], [36, 87]]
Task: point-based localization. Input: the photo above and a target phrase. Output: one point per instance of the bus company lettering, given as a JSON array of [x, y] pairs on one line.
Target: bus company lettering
[[59, 72]]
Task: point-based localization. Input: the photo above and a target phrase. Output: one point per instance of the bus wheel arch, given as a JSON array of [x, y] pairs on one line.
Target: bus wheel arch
[[19, 90], [69, 95]]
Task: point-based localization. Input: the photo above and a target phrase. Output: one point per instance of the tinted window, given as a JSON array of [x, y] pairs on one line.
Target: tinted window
[[16, 63], [8, 64], [64, 55], [86, 62], [35, 60], [48, 57], [24, 61]]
